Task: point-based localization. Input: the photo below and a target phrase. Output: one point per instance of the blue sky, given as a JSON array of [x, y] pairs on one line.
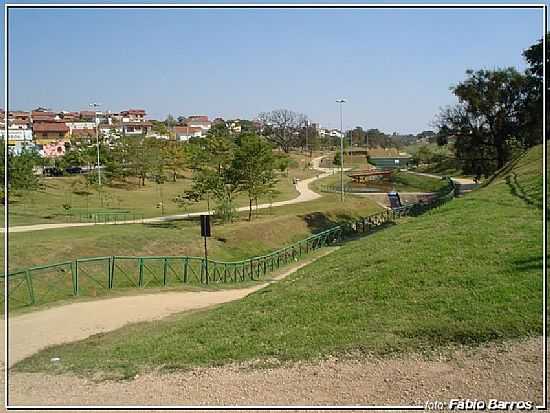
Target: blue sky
[[393, 66]]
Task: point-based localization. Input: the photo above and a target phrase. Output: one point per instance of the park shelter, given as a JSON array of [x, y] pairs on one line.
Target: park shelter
[[391, 162]]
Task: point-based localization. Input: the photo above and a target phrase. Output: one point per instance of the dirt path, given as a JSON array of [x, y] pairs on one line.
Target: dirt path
[[510, 371], [305, 195], [32, 332]]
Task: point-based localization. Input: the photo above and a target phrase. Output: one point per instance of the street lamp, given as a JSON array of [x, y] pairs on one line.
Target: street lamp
[[96, 105], [341, 102]]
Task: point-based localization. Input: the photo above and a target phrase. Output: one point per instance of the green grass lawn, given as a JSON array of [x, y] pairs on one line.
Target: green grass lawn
[[406, 182], [467, 273], [400, 181], [270, 229], [46, 204]]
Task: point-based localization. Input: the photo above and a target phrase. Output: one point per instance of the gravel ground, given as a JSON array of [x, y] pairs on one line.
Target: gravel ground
[[505, 371]]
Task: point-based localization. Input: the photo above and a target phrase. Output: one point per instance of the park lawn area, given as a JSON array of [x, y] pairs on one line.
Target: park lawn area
[[400, 181], [45, 205], [406, 182], [466, 273], [269, 230]]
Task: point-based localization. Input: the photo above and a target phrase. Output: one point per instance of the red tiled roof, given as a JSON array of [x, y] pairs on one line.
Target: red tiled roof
[[50, 127], [199, 118], [187, 129], [43, 114], [133, 112], [84, 113]]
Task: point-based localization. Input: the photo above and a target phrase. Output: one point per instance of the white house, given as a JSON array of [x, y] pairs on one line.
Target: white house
[[80, 125], [184, 133], [198, 122], [18, 139]]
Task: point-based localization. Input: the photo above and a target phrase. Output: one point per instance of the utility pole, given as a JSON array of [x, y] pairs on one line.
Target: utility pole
[[94, 106], [341, 102]]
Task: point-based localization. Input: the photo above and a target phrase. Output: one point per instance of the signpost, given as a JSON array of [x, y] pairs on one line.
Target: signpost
[[205, 232]]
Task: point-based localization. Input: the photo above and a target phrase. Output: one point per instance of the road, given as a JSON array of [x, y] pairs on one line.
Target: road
[[305, 195]]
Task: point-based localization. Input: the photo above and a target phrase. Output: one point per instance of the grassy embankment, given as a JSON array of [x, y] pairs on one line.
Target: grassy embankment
[[468, 272], [268, 231], [399, 181], [46, 204]]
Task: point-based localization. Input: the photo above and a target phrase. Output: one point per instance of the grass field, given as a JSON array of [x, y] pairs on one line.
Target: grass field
[[466, 273], [270, 229], [400, 181], [46, 204]]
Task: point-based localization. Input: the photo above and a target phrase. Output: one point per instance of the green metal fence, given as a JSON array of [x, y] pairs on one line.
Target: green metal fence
[[97, 276]]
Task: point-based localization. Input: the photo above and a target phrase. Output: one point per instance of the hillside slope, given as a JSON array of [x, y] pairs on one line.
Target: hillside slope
[[468, 272]]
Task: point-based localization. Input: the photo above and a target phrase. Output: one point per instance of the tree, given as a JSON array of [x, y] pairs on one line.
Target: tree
[[211, 159], [20, 171], [254, 164], [358, 136], [532, 115], [337, 161], [174, 157], [282, 127], [486, 122], [170, 122]]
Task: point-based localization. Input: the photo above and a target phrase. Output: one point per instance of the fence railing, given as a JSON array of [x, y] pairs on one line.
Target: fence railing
[[104, 217], [98, 275]]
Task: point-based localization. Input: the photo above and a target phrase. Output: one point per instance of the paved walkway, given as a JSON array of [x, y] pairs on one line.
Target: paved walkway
[[305, 195]]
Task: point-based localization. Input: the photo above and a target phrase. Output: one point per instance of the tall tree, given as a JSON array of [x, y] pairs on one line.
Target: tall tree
[[254, 164], [282, 127], [486, 121], [533, 112]]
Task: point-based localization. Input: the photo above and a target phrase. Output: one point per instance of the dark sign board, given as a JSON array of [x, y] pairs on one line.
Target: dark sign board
[[205, 225], [395, 200]]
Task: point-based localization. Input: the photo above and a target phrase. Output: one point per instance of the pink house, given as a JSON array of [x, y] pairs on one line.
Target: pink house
[[53, 150]]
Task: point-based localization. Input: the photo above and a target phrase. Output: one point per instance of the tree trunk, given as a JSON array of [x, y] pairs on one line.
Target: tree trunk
[[250, 209]]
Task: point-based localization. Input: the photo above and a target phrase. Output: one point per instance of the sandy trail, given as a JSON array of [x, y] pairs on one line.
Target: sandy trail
[[509, 371], [305, 195], [32, 332]]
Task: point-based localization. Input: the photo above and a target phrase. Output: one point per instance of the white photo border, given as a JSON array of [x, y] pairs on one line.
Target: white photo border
[[8, 6]]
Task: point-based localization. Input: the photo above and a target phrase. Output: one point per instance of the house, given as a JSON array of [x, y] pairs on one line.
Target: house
[[23, 116], [43, 116], [18, 139], [184, 133], [198, 122], [133, 116], [87, 115], [48, 132], [69, 116], [83, 136], [110, 131], [19, 124], [53, 150], [135, 128], [234, 126], [80, 125]]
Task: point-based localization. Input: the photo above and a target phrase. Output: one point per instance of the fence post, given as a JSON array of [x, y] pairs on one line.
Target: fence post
[[28, 277], [164, 270], [112, 271], [141, 271], [185, 264], [73, 276]]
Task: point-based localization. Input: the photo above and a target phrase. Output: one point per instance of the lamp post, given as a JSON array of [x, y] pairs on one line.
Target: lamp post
[[341, 102], [96, 105]]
